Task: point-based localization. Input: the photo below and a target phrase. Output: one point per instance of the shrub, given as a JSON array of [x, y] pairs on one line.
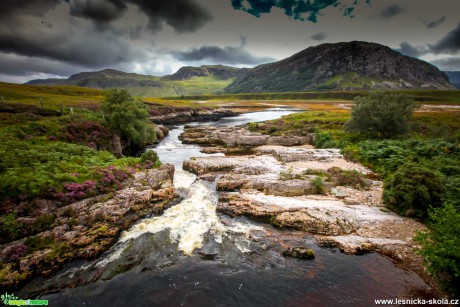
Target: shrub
[[441, 246], [36, 243], [324, 139], [13, 252], [44, 221], [151, 156], [351, 178], [10, 228], [412, 189], [286, 175], [318, 185], [253, 127], [381, 114]]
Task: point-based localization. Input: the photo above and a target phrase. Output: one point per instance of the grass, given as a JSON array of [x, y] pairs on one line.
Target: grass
[[52, 96], [423, 96], [178, 88]]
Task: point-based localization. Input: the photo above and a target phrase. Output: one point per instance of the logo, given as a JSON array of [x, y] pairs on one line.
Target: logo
[[11, 300]]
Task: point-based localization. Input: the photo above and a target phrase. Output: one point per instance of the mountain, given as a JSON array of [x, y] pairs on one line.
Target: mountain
[[454, 77], [342, 66], [219, 71], [104, 79]]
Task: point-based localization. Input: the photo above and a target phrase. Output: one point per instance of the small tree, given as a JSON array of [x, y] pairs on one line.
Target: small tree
[[381, 114], [413, 189], [127, 118]]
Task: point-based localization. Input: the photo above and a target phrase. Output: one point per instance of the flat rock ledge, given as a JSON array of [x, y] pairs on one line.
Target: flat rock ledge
[[87, 228], [276, 184], [176, 118], [224, 138]]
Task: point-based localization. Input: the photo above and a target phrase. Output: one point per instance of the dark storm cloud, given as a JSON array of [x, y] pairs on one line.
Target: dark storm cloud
[[35, 7], [414, 51], [391, 11], [226, 55], [448, 64], [184, 16], [449, 43], [24, 32], [319, 36], [436, 23], [24, 66], [90, 50], [295, 9], [99, 11]]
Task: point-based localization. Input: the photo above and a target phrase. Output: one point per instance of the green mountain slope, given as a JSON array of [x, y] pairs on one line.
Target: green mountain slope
[[342, 66]]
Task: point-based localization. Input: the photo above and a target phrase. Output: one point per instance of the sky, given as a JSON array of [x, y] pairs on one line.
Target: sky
[[58, 38]]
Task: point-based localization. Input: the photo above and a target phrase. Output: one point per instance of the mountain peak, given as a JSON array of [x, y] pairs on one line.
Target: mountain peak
[[355, 65], [219, 71]]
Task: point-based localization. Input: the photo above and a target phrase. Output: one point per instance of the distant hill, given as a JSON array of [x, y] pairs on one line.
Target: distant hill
[[104, 79], [219, 71], [454, 77], [210, 79], [342, 66]]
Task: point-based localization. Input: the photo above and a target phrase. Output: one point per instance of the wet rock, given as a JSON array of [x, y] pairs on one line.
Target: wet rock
[[302, 220], [191, 115], [299, 252], [357, 245]]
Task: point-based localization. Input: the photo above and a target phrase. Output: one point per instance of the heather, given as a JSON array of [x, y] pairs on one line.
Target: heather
[[60, 160]]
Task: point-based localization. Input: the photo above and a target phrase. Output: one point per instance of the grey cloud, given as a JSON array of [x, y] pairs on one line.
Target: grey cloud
[[391, 11], [9, 8], [184, 16], [319, 36], [448, 64], [88, 49], [449, 43], [436, 23], [414, 51], [87, 45], [226, 55], [15, 65], [100, 12]]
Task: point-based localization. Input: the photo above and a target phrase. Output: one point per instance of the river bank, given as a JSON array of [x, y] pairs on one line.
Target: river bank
[[288, 183], [85, 229]]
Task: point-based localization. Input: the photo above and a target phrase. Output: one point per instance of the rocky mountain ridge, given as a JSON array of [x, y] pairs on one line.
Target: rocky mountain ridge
[[352, 65]]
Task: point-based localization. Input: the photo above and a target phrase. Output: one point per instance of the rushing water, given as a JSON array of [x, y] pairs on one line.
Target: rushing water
[[193, 256]]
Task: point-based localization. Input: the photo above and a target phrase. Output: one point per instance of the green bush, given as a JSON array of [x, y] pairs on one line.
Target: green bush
[[381, 114], [287, 175], [413, 189], [150, 155], [324, 139], [318, 185], [351, 178], [441, 246], [253, 127], [10, 228]]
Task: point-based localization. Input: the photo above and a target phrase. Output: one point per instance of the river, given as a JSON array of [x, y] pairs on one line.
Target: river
[[192, 255]]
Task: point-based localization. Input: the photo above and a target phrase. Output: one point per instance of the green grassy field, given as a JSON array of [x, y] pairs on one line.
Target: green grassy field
[[429, 96], [52, 96]]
